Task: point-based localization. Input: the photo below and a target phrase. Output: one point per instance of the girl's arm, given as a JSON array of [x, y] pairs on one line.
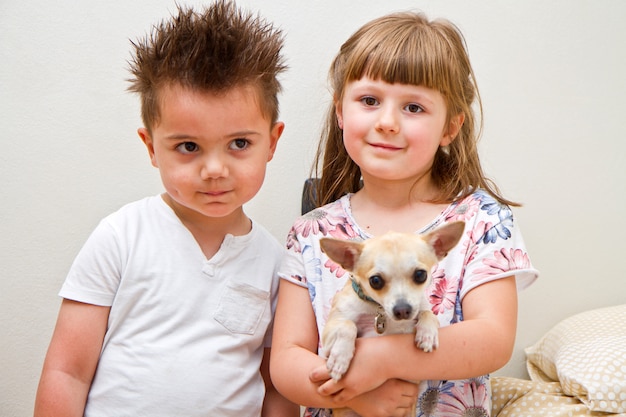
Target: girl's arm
[[294, 357], [482, 343], [71, 360]]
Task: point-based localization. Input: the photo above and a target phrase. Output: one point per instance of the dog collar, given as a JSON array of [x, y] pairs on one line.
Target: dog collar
[[359, 291], [380, 321]]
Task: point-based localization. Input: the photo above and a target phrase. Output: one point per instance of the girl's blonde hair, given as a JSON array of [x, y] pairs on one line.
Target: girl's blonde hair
[[407, 48]]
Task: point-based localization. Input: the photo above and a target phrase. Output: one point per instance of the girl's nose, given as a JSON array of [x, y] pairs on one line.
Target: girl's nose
[[387, 120], [213, 167]]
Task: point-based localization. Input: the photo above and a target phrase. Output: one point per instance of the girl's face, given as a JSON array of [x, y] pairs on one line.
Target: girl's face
[[392, 131]]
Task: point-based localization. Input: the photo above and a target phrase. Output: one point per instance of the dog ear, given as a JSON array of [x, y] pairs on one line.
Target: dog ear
[[344, 252], [445, 237]]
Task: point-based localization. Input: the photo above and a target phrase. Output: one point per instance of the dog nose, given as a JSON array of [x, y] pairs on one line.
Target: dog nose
[[402, 310]]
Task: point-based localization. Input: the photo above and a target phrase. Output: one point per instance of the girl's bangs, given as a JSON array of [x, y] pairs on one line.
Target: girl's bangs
[[401, 59]]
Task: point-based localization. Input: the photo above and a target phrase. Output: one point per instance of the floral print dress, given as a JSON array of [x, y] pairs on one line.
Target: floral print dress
[[491, 248]]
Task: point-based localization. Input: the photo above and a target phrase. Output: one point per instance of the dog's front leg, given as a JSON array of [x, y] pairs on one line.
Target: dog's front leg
[[427, 331], [338, 344]]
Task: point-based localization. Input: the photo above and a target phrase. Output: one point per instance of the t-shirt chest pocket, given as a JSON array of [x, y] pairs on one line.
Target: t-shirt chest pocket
[[241, 307]]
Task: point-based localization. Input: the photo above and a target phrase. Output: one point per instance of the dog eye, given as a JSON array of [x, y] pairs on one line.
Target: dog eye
[[377, 282], [419, 276]]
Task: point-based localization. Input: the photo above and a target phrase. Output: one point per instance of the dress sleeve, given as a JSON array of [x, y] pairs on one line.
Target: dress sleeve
[[494, 246], [292, 267]]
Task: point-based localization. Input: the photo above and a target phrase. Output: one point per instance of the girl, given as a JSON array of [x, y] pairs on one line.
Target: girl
[[400, 153]]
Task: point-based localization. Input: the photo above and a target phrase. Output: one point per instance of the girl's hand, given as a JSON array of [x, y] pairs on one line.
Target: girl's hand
[[393, 397], [366, 373]]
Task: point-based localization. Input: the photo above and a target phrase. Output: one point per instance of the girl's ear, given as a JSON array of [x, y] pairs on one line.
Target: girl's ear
[[339, 114], [340, 121], [456, 122]]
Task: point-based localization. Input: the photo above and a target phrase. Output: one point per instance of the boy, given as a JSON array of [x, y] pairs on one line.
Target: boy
[[167, 307]]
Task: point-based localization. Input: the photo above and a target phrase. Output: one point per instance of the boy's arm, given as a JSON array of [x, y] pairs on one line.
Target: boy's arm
[[275, 405], [71, 360]]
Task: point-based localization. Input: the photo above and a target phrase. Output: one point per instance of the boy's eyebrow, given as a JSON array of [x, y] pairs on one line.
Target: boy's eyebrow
[[243, 133], [236, 134], [178, 136]]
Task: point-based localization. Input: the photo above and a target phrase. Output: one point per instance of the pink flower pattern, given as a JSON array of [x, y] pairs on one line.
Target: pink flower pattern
[[505, 260], [443, 294], [335, 268], [467, 400]]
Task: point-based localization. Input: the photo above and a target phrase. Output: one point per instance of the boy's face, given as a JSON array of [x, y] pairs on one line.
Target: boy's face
[[211, 150]]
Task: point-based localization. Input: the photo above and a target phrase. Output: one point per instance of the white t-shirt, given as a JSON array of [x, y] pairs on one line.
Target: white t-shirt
[[185, 335]]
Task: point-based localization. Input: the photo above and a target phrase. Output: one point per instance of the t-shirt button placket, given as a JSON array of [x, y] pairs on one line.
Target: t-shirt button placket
[[209, 269]]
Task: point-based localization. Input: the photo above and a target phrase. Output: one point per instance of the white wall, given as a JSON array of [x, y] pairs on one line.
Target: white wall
[[551, 76]]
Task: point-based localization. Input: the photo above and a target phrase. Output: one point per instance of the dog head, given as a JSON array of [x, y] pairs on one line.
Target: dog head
[[394, 269]]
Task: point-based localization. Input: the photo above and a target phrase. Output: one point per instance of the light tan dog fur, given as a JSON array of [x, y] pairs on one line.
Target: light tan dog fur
[[391, 272]]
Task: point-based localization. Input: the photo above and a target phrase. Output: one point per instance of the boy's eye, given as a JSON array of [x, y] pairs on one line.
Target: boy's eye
[[413, 108], [369, 101], [187, 147], [239, 144]]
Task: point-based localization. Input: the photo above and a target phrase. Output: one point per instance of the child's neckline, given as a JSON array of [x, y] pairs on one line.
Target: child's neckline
[[364, 230]]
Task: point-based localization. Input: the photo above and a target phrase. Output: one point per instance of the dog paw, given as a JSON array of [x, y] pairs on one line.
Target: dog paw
[[426, 339], [339, 358], [427, 331]]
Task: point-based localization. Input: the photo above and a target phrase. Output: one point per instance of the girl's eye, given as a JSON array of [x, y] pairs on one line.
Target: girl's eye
[[239, 144], [414, 108], [187, 147], [369, 101]]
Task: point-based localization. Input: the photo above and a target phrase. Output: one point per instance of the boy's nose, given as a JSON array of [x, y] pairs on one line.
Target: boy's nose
[[213, 167]]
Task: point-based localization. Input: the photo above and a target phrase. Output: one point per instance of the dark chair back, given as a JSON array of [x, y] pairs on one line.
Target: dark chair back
[[309, 195]]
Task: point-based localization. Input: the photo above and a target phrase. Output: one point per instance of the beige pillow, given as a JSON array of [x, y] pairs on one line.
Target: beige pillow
[[586, 353]]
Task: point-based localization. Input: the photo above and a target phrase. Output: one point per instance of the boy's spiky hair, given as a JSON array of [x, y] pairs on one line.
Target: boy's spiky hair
[[213, 51]]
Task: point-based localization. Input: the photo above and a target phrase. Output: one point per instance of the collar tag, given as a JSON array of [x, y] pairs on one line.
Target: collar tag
[[380, 322]]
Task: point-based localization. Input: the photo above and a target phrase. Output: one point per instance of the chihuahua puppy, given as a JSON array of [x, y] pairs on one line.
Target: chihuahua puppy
[[389, 277]]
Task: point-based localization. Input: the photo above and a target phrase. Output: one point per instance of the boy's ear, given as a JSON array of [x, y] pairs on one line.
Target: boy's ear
[[144, 134], [456, 122], [275, 133]]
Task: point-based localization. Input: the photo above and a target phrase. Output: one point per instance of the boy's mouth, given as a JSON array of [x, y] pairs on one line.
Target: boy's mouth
[[215, 193]]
